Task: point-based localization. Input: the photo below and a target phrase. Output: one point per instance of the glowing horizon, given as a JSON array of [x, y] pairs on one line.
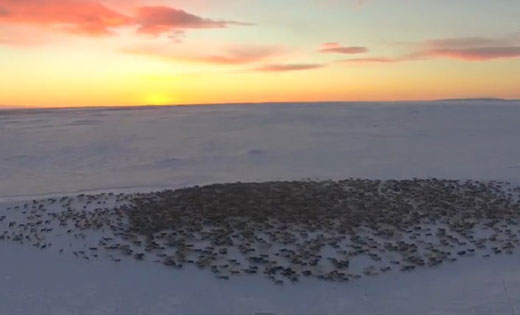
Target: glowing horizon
[[67, 53]]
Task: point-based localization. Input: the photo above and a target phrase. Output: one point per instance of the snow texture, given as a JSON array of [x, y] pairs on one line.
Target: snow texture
[[63, 152], [55, 151]]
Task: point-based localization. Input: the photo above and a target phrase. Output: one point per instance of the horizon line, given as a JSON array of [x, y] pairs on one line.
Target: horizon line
[[137, 106]]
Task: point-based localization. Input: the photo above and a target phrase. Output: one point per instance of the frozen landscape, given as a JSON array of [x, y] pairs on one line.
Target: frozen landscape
[[49, 159]]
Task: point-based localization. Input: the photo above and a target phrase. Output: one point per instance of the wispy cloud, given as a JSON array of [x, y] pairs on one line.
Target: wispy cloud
[[94, 18], [476, 54], [160, 19], [463, 42], [360, 3], [462, 48], [338, 49], [469, 48], [288, 67], [83, 17], [234, 55], [371, 60]]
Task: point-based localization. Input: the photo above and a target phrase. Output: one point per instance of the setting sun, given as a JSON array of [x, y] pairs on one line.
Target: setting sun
[[159, 99], [109, 52], [334, 157]]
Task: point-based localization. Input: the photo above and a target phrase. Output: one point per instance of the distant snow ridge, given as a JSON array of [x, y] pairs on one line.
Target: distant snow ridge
[[331, 230]]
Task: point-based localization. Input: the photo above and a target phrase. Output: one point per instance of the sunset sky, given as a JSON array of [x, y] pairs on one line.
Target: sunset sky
[[137, 52]]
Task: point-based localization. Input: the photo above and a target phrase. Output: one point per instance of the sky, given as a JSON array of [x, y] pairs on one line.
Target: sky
[[56, 53]]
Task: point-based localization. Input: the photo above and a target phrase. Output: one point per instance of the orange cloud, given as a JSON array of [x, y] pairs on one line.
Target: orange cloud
[[83, 17], [91, 17]]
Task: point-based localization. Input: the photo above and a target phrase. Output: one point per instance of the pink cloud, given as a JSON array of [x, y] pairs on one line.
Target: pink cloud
[[463, 48], [160, 19], [25, 36], [93, 18], [288, 67], [360, 3], [462, 42], [230, 56], [476, 54], [83, 17], [337, 48], [370, 60], [469, 48]]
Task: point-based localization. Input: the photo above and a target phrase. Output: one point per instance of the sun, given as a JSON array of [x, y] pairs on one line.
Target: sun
[[159, 99]]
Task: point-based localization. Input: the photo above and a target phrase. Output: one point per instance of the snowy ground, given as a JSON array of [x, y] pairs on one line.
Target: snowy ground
[[49, 151], [58, 153], [42, 282]]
